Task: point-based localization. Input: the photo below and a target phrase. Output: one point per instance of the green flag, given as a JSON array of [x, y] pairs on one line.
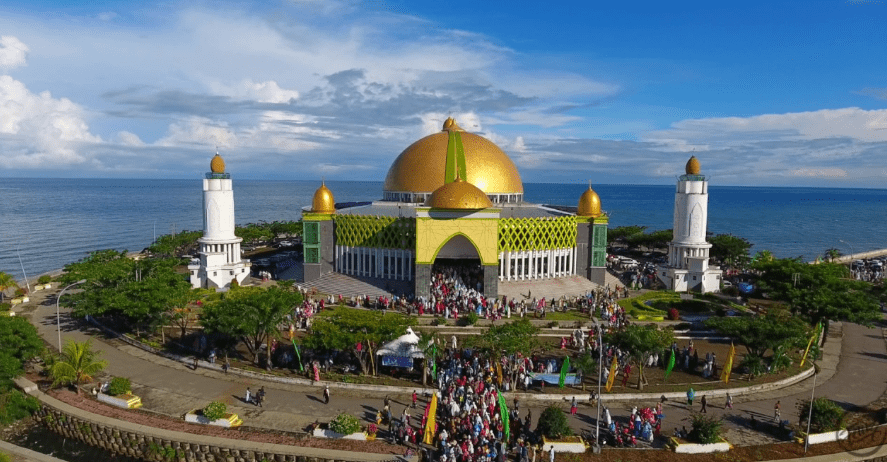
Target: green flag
[[564, 369], [298, 355], [434, 362], [670, 365], [503, 411]]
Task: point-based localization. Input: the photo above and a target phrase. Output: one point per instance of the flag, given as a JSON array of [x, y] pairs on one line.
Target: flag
[[813, 337], [670, 364], [298, 355], [431, 412], [499, 373], [564, 369], [728, 368], [434, 362], [612, 377], [503, 411]]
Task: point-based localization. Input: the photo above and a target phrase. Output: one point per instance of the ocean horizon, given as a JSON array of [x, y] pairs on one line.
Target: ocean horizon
[[50, 222]]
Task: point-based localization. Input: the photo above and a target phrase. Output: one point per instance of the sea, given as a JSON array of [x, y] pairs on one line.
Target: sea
[[48, 223]]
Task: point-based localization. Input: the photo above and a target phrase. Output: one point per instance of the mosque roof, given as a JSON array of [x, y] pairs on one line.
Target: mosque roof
[[692, 167], [217, 165], [459, 195], [589, 204], [323, 201], [400, 209], [424, 166]]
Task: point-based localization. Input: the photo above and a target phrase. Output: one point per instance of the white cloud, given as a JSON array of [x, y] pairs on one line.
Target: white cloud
[[263, 92], [199, 131], [13, 53], [129, 139]]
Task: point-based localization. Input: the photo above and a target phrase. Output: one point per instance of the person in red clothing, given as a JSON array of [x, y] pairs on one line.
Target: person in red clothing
[[625, 373]]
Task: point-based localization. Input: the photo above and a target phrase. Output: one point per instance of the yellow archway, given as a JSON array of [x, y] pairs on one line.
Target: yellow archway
[[433, 233]]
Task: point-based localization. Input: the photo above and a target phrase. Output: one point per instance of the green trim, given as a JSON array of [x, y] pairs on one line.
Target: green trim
[[311, 216], [516, 234], [311, 232], [455, 158]]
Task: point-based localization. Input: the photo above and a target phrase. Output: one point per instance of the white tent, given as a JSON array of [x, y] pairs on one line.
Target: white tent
[[405, 346]]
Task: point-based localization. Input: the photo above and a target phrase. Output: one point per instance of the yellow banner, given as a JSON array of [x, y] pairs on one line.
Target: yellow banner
[[728, 368], [430, 423], [499, 372], [612, 377], [807, 351]]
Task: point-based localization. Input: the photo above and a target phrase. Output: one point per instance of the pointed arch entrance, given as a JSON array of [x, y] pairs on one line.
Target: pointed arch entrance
[[458, 263]]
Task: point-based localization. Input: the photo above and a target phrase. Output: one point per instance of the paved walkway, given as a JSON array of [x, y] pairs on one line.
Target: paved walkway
[[171, 388]]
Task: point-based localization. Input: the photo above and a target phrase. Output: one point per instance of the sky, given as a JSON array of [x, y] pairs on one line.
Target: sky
[[763, 93]]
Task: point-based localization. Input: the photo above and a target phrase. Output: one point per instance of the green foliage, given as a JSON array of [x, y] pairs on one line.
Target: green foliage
[[250, 314], [730, 249], [5, 306], [78, 363], [510, 338], [345, 424], [15, 405], [172, 245], [4, 457], [10, 368], [553, 423], [763, 332], [818, 292], [586, 363], [832, 254], [641, 342], [827, 415], [705, 429], [345, 328], [252, 232], [19, 338], [653, 240], [45, 279], [754, 364], [215, 410], [119, 386], [622, 233], [469, 319], [6, 282]]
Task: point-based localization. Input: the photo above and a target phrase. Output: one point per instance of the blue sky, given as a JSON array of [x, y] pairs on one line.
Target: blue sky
[[763, 93]]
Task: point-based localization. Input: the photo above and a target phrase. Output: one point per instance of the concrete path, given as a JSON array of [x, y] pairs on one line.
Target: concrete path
[[173, 389]]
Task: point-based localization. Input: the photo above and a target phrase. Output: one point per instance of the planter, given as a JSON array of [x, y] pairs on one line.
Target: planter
[[229, 421], [827, 437], [683, 447], [573, 444], [371, 437], [19, 301], [323, 433], [127, 401]]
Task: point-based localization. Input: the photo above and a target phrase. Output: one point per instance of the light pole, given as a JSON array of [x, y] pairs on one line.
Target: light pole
[[600, 362], [810, 415], [58, 317], [850, 258]]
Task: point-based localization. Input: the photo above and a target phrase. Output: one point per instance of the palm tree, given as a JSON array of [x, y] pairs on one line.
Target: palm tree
[[78, 363], [428, 341], [832, 254], [6, 282]]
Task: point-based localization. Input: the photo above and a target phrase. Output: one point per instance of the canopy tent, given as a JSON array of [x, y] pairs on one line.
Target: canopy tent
[[402, 350]]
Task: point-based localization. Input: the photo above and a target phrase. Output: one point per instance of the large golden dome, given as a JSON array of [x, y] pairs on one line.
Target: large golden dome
[[323, 201], [459, 195], [217, 165], [692, 167], [589, 204], [421, 167]]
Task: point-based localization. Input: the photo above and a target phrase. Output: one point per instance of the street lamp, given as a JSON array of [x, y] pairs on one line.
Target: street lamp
[[850, 259], [58, 318], [810, 415], [600, 362]]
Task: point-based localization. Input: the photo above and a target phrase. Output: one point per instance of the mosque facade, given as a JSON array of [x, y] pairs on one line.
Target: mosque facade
[[687, 265], [453, 196]]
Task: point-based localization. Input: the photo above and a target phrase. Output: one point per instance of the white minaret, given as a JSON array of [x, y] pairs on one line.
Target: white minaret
[[220, 261], [687, 267]]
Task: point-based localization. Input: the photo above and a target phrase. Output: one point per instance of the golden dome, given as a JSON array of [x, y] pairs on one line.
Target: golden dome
[[421, 167], [459, 195], [692, 166], [323, 201], [217, 165], [589, 204]]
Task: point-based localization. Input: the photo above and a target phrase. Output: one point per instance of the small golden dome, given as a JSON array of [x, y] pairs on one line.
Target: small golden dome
[[421, 167], [217, 165], [589, 204], [692, 166], [459, 195], [323, 201]]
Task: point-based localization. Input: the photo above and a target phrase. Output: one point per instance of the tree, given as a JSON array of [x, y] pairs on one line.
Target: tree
[[621, 233], [78, 364], [357, 331], [553, 423], [705, 429], [763, 332], [818, 292], [641, 342], [832, 254], [828, 416], [428, 341], [6, 282], [510, 338], [19, 338], [730, 249], [251, 314]]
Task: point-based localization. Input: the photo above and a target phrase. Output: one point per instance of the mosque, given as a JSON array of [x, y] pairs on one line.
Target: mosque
[[454, 197]]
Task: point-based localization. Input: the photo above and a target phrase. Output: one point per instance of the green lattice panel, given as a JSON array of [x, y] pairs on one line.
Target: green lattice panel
[[312, 254], [311, 231], [517, 234], [376, 232], [599, 238]]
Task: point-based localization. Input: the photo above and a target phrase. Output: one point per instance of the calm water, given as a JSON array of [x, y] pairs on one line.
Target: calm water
[[52, 222]]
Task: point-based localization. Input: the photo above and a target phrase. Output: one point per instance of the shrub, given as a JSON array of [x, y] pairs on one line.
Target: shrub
[[439, 322], [827, 416], [673, 314], [119, 386], [753, 365], [4, 457], [21, 292], [5, 306], [45, 279], [553, 423], [372, 429], [469, 319], [705, 429], [215, 410], [15, 405], [345, 424]]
